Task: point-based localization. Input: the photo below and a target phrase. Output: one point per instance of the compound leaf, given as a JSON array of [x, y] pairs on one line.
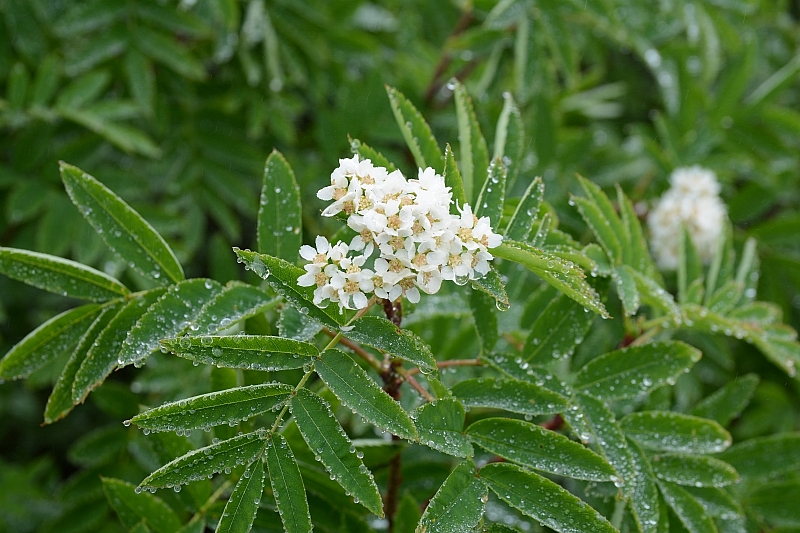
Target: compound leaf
[[287, 486]]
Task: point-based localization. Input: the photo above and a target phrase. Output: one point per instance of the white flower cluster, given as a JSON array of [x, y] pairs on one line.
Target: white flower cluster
[[408, 223], [693, 202]]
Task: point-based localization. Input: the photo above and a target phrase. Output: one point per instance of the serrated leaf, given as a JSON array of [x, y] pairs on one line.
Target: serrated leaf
[[216, 408], [527, 212], [639, 253], [719, 504], [327, 439], [56, 336], [351, 384], [293, 324], [280, 224], [626, 289], [236, 302], [492, 284], [610, 221], [101, 359], [687, 509], [539, 237], [728, 401], [764, 457], [557, 331], [122, 228], [515, 367], [508, 394], [474, 162], [382, 334], [252, 352], [543, 500], [598, 421], [535, 447], [60, 276], [563, 275], [509, 139], [416, 132], [132, 507], [641, 490], [441, 426], [168, 317], [240, 511], [634, 370], [601, 227], [201, 463], [452, 179], [776, 503], [652, 294], [693, 470], [287, 486], [484, 318], [458, 505], [367, 152], [492, 195], [282, 276], [60, 402], [675, 432]]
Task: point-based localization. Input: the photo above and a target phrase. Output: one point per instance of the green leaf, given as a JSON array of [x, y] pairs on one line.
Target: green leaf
[[252, 352], [726, 297], [287, 486], [515, 367], [777, 503], [557, 331], [535, 447], [236, 302], [599, 422], [95, 51], [693, 470], [652, 294], [563, 275], [687, 509], [612, 220], [459, 503], [201, 463], [416, 132], [168, 317], [641, 490], [452, 179], [509, 139], [122, 228], [718, 503], [720, 271], [764, 457], [675, 432], [382, 334], [56, 336], [133, 506], [539, 237], [126, 138], [101, 359], [474, 153], [293, 324], [60, 276], [240, 511], [141, 79], [728, 401], [351, 384], [524, 217], [283, 275], [508, 394], [492, 284], [166, 51], [216, 408], [639, 253], [367, 152], [626, 289], [441, 426], [690, 268], [408, 515], [330, 443], [280, 224], [543, 500], [633, 371], [601, 227], [168, 446], [45, 84], [60, 402], [492, 195], [484, 318]]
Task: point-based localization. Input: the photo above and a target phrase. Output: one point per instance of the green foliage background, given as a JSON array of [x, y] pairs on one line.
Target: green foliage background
[[175, 107]]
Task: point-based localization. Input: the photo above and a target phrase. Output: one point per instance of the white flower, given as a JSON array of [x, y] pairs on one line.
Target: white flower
[[691, 202]]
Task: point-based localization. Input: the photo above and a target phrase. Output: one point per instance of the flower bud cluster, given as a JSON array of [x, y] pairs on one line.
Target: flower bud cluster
[[406, 225], [692, 202]]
